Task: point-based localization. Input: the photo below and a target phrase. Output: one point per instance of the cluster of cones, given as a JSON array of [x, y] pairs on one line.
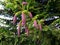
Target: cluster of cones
[[23, 23]]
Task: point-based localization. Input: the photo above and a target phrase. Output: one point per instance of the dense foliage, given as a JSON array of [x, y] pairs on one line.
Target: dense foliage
[[30, 27]]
